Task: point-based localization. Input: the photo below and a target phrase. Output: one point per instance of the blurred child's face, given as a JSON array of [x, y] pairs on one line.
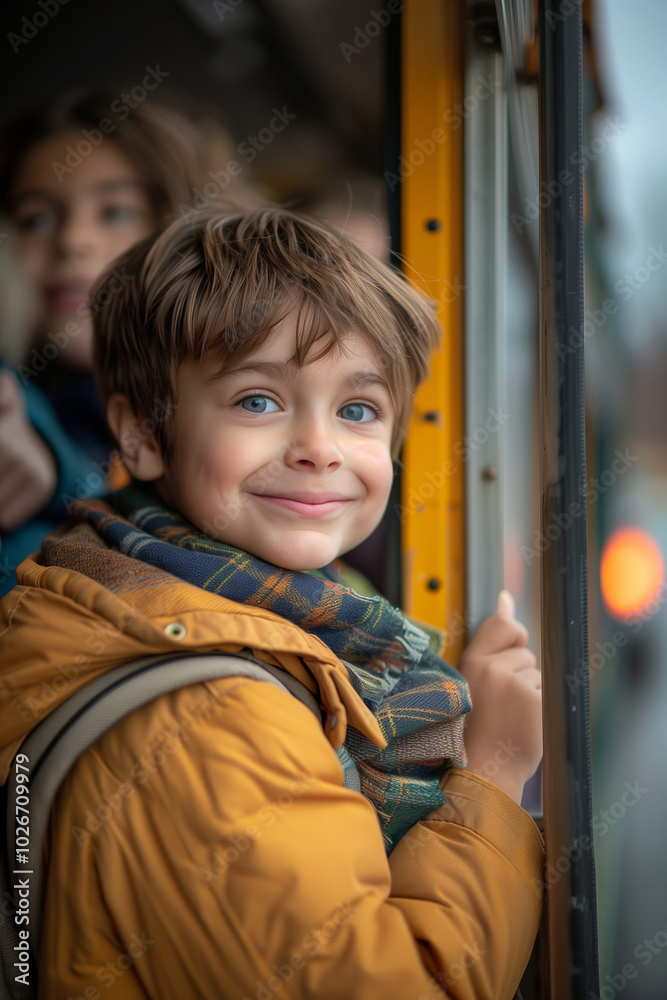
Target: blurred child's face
[[291, 464], [72, 223]]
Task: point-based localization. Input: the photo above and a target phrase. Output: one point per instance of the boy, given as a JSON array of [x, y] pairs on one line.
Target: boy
[[211, 844]]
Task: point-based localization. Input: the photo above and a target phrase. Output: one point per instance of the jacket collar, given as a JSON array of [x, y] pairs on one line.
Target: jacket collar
[[60, 629]]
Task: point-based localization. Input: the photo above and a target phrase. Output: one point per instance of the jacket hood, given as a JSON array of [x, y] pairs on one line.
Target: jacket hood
[[60, 629]]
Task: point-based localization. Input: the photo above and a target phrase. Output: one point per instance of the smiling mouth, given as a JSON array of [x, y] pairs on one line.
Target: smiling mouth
[[307, 504], [69, 295]]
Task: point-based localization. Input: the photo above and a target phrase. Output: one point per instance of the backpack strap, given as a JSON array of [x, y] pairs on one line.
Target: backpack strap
[[55, 744]]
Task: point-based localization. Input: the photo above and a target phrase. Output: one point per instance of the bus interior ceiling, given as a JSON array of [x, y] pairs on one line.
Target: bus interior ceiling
[[243, 59]]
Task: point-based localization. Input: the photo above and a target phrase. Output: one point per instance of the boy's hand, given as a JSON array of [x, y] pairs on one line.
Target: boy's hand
[[28, 475], [503, 736]]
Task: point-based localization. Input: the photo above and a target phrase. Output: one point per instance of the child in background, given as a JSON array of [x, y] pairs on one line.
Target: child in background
[[223, 836], [81, 185]]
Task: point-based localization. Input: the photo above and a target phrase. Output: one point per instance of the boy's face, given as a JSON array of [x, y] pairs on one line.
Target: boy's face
[[290, 464], [72, 222]]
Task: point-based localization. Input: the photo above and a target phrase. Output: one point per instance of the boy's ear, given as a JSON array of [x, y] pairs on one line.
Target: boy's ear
[[137, 444]]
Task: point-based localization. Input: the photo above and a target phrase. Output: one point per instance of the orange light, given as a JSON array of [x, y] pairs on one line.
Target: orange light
[[631, 572]]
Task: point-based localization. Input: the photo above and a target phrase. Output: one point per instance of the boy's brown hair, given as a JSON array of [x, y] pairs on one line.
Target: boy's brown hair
[[215, 286]]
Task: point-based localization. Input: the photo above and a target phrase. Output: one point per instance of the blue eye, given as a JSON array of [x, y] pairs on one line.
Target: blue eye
[[259, 404], [358, 412]]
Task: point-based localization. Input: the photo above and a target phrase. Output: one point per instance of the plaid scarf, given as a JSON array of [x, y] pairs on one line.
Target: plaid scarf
[[418, 700]]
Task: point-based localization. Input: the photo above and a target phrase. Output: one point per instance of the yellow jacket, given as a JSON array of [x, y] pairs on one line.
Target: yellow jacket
[[205, 847]]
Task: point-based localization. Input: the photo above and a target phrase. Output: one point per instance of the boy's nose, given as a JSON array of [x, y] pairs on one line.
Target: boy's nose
[[75, 235], [314, 448]]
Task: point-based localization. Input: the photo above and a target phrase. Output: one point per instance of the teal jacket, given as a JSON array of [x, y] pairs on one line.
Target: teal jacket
[[78, 476]]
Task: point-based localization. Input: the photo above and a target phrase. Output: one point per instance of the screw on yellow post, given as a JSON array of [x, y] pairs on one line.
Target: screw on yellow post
[[431, 165]]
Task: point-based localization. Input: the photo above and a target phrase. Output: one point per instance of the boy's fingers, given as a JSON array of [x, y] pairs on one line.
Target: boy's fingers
[[531, 677], [9, 391], [498, 633], [517, 660], [506, 604]]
